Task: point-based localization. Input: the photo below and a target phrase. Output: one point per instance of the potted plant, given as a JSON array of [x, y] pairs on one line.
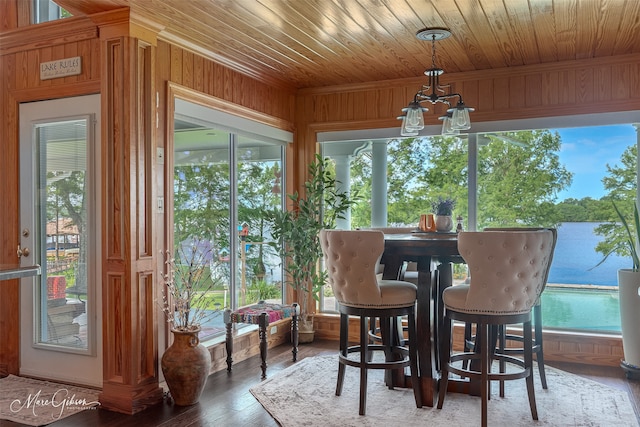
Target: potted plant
[[186, 363], [443, 208], [629, 296], [295, 233]]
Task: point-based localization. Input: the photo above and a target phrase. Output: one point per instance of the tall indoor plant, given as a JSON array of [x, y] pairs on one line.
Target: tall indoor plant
[[629, 295], [295, 233]]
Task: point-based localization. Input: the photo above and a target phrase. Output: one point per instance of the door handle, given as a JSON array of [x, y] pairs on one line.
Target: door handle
[[23, 252]]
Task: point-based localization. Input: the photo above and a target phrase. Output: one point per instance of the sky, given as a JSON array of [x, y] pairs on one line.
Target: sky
[[586, 151]]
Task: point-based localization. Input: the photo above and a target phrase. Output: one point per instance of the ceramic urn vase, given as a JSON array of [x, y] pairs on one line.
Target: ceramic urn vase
[[186, 365], [444, 223]]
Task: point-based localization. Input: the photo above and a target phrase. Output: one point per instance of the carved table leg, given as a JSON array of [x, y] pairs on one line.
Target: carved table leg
[[262, 325], [294, 333], [229, 341]]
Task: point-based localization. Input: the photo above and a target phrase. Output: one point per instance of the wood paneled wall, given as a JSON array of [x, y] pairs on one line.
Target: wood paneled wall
[[123, 60], [569, 88], [187, 69]]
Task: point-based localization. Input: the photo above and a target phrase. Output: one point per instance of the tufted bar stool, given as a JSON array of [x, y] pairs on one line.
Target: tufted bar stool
[[408, 273], [350, 259], [507, 271], [505, 336]]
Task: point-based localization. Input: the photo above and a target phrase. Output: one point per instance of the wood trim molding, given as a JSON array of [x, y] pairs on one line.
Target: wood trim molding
[[61, 91], [124, 22], [47, 34], [183, 92]]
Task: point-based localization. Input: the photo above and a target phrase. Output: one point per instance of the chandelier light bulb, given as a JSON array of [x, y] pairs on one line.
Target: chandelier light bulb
[[460, 119], [404, 131], [460, 116], [446, 125], [415, 116]]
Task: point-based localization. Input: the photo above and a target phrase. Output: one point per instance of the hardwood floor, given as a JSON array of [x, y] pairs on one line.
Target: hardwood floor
[[227, 401]]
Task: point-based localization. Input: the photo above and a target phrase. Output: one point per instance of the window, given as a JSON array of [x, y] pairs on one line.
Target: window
[[548, 177], [47, 10], [397, 180], [223, 178]]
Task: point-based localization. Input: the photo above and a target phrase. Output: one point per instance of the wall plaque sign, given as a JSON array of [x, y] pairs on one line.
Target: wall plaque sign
[[60, 68]]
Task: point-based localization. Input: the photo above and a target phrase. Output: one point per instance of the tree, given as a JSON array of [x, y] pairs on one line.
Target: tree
[[406, 162], [621, 186], [202, 195], [201, 199], [421, 169], [66, 198], [518, 183]]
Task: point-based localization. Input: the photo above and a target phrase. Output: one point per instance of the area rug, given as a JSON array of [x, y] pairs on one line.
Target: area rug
[[304, 395], [36, 403]]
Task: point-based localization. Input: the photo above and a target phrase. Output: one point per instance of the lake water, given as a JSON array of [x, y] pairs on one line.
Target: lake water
[[575, 257]]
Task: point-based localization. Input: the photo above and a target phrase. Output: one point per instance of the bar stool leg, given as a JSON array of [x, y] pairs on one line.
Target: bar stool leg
[[445, 357], [364, 342], [528, 364], [502, 344], [344, 334], [484, 369], [537, 326]]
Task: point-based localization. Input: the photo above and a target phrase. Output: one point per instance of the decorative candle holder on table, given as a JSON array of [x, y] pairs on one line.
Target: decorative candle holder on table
[[262, 314]]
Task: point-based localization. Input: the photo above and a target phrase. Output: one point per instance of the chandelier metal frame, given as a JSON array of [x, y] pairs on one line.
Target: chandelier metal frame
[[457, 117]]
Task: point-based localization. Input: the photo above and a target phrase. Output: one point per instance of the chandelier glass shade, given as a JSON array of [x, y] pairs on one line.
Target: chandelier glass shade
[[447, 128], [457, 117]]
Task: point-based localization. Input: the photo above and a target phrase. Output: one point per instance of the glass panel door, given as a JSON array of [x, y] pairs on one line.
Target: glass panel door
[[58, 213]]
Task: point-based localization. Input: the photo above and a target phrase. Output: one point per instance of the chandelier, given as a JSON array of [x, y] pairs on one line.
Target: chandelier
[[457, 116]]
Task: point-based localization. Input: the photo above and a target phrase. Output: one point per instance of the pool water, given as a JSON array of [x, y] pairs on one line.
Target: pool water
[[581, 309]]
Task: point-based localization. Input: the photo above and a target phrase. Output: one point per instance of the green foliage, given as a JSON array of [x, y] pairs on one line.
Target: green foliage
[[70, 274], [621, 185], [633, 234], [202, 200], [420, 170], [585, 209], [518, 184], [260, 290], [67, 198], [628, 245], [296, 231]]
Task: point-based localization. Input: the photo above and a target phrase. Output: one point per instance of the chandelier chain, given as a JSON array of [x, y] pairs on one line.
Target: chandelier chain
[[433, 51]]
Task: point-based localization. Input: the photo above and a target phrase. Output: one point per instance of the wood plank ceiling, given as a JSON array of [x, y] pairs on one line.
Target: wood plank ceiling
[[313, 43]]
